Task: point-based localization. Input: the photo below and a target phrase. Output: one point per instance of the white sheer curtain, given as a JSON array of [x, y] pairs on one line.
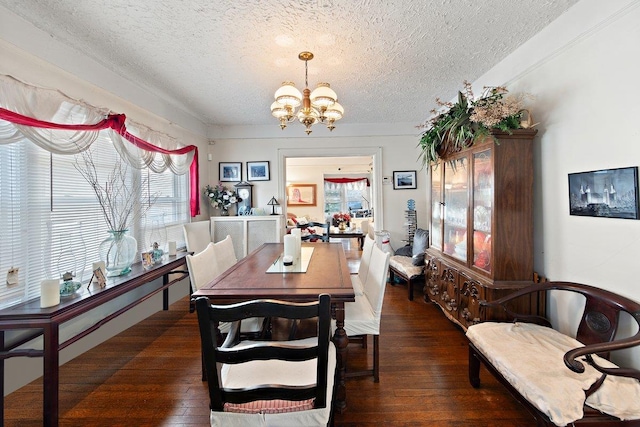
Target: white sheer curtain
[[53, 106], [360, 185]]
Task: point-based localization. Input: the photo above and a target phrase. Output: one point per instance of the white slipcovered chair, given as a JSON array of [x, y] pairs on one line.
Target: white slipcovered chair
[[362, 317], [225, 254], [197, 235], [202, 266], [358, 280]]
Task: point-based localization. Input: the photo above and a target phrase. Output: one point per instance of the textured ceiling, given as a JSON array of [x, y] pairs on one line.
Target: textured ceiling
[[222, 60]]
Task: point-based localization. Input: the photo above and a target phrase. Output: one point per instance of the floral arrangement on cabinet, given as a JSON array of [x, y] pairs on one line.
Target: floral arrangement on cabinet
[[221, 198], [454, 126]]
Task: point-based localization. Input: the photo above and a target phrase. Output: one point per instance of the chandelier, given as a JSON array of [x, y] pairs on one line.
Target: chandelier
[[321, 105]]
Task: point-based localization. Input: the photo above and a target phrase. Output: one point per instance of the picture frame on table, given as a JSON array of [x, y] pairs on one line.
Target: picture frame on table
[[230, 172], [404, 180], [258, 171], [101, 280], [607, 193], [301, 195]]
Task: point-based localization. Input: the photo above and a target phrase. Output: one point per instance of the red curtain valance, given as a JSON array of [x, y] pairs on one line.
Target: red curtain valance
[[117, 123], [347, 180]]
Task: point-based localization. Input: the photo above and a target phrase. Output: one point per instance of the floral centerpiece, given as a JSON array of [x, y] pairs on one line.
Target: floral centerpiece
[[221, 198], [341, 219], [454, 126]]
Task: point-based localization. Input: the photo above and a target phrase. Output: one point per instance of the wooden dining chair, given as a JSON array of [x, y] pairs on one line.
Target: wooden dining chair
[[362, 317], [313, 234], [358, 279], [268, 383], [197, 235]]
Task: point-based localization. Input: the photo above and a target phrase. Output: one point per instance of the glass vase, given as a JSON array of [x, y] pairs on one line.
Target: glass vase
[[118, 251], [224, 211]]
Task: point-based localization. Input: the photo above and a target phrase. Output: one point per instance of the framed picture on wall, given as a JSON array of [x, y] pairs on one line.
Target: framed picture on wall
[[609, 193], [230, 172], [404, 180], [301, 195], [258, 171]]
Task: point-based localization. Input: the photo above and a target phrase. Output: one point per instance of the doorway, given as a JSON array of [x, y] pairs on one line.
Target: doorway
[[311, 165]]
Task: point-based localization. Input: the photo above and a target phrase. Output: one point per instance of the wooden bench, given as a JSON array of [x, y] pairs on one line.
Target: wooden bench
[[564, 379]]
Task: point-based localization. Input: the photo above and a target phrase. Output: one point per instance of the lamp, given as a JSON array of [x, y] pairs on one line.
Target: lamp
[[273, 203], [321, 105]]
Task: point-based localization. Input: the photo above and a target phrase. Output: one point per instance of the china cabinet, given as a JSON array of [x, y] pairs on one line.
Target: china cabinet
[[481, 231]]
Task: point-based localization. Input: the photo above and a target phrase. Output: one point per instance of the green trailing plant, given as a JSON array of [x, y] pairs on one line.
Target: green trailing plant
[[455, 126]]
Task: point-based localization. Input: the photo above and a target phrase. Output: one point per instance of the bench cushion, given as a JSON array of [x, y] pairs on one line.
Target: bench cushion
[[530, 358], [405, 265]]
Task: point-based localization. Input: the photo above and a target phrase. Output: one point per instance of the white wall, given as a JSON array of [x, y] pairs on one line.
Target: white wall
[[397, 153], [583, 70]]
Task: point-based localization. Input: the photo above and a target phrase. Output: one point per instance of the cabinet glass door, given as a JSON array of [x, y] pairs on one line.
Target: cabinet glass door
[[436, 207], [456, 202], [482, 209]]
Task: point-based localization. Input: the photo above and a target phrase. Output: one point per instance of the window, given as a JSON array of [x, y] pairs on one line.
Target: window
[[45, 202], [351, 197]]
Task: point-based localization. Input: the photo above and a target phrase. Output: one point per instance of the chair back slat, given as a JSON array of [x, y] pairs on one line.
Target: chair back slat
[[323, 236]]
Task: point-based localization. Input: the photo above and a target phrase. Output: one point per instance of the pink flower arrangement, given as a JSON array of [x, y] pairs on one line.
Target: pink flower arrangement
[[341, 217]]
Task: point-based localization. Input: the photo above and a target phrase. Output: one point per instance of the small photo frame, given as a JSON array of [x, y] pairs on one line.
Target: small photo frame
[[608, 193], [404, 180], [98, 275], [147, 259], [230, 172], [301, 195], [258, 171]]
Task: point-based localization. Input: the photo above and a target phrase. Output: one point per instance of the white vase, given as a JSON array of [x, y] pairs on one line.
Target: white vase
[[118, 251]]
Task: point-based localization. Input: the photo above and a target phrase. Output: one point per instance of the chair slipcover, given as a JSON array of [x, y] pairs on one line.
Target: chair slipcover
[[358, 280], [203, 268], [225, 254], [362, 317], [197, 235]]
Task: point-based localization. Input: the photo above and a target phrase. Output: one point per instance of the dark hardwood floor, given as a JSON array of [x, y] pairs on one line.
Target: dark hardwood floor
[[149, 375]]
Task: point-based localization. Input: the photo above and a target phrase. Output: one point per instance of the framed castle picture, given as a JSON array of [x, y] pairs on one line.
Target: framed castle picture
[[609, 193]]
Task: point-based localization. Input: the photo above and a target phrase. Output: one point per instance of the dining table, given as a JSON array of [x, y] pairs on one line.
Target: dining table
[[321, 269]]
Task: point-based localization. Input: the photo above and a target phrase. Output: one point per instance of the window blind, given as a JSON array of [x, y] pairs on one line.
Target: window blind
[[50, 218]]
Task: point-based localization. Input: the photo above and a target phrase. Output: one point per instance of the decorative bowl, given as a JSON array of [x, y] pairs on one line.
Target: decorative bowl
[[69, 288]]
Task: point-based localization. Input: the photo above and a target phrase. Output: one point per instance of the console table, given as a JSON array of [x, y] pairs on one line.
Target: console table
[[47, 321]]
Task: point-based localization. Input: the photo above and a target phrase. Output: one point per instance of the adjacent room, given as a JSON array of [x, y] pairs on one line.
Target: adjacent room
[[319, 213]]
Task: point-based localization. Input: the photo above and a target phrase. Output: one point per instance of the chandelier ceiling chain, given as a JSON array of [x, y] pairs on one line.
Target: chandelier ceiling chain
[[321, 105]]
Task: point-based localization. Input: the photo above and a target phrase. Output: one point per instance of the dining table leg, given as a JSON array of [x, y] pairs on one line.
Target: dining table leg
[[340, 339]]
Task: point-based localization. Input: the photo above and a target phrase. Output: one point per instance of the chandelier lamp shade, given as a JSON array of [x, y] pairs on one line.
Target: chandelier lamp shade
[[321, 105]]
